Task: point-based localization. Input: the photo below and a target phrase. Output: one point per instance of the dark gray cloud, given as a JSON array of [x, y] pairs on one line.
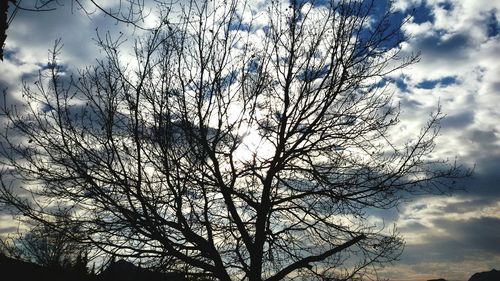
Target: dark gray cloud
[[486, 180], [496, 86], [436, 47], [50, 26], [8, 230], [468, 206], [482, 137], [463, 240], [477, 234], [458, 120]]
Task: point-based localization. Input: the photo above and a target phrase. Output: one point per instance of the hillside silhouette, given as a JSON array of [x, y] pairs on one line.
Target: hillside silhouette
[[122, 270], [14, 269], [493, 275]]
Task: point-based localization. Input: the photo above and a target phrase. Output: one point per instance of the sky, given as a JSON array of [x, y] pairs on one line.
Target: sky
[[448, 237]]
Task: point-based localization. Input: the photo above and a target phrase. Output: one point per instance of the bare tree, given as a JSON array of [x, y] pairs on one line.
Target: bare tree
[[236, 145], [46, 245]]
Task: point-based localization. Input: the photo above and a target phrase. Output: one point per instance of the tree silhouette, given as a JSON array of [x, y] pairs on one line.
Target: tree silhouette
[[4, 23], [232, 146], [54, 245]]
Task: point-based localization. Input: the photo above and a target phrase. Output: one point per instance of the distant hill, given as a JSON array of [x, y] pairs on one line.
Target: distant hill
[[493, 275]]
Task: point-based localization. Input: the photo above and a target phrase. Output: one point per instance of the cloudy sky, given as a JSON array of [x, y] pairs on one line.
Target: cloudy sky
[[451, 236]]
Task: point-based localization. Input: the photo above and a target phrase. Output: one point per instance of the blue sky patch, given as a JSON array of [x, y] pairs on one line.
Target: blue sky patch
[[422, 14], [228, 80], [448, 6], [45, 66], [313, 73], [319, 3], [47, 108], [430, 84], [253, 65], [492, 25], [240, 26], [401, 84], [10, 55]]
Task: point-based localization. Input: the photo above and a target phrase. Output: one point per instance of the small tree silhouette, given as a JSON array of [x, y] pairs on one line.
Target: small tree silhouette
[[53, 244], [80, 266]]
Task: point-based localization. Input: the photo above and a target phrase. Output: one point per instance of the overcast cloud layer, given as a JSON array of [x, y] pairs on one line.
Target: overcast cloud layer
[[450, 237]]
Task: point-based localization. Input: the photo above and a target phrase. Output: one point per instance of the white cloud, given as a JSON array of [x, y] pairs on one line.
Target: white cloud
[[446, 236], [405, 5], [454, 43]]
